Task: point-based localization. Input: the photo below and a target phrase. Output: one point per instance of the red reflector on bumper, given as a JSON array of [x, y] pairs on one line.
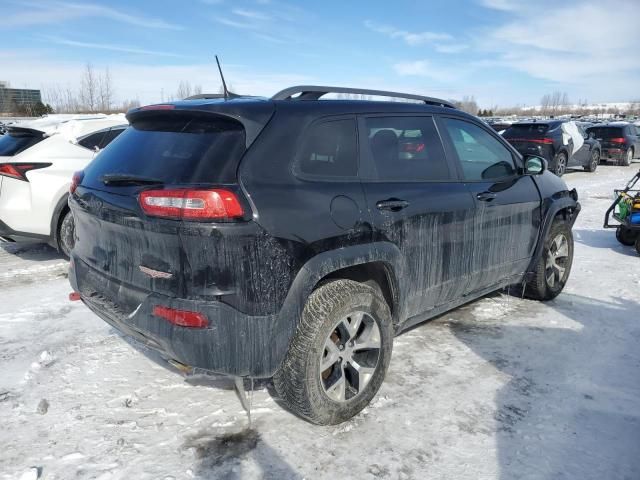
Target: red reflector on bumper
[[74, 296], [182, 318]]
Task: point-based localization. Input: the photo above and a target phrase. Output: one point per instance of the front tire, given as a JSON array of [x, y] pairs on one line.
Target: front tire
[[594, 161], [552, 270], [66, 234], [339, 354], [560, 166]]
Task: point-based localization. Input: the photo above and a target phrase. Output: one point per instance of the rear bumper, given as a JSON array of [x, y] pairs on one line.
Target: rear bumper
[[233, 344], [613, 154]]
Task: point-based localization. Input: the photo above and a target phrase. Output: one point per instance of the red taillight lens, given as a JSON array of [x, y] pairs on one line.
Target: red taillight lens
[[19, 170], [545, 141], [76, 180], [182, 318], [158, 107], [617, 140], [191, 204]]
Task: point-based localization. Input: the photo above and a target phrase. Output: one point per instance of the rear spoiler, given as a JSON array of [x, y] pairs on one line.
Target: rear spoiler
[[24, 132], [253, 119]]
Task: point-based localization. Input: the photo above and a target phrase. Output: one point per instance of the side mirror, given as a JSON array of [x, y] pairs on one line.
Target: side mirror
[[534, 165]]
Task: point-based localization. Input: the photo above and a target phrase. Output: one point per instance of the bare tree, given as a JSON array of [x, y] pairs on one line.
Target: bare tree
[[184, 90], [89, 89], [197, 89], [105, 91], [467, 104]]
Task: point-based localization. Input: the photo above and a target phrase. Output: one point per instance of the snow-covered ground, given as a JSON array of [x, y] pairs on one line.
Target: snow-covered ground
[[503, 388]]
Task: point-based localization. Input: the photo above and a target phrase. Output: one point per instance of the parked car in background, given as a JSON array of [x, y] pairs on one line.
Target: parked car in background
[[294, 237], [620, 141], [562, 143], [37, 161]]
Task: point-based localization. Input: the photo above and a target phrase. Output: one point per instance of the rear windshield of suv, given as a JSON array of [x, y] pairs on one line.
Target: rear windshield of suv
[[173, 148], [14, 142], [527, 129], [606, 132]]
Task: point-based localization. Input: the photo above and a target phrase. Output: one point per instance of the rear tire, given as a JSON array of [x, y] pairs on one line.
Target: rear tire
[[66, 234], [626, 236], [628, 158], [552, 270], [333, 368], [638, 245], [560, 164], [594, 161]]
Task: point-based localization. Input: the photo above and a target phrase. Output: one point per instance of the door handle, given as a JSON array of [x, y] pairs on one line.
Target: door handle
[[486, 196], [393, 204]]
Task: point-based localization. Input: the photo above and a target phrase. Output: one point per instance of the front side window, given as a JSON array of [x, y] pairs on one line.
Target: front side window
[[330, 150], [405, 149], [481, 156]]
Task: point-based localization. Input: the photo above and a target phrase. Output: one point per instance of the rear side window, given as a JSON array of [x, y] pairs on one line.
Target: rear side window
[[110, 136], [405, 149], [330, 150], [92, 141], [606, 132], [175, 149], [12, 143], [481, 156]]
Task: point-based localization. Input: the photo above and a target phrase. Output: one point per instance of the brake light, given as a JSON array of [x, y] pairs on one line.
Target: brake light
[[158, 107], [19, 170], [617, 140], [76, 180], [182, 318], [191, 204]]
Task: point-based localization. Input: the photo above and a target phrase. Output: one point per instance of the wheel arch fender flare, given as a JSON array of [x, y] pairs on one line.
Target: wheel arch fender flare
[[321, 265], [565, 201]]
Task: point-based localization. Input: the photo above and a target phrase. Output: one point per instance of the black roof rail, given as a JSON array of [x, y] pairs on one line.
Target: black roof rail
[[314, 92]]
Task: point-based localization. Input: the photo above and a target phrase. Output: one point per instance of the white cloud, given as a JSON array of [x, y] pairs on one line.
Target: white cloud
[[428, 69], [32, 13], [505, 5], [143, 81], [251, 14], [109, 46], [410, 38]]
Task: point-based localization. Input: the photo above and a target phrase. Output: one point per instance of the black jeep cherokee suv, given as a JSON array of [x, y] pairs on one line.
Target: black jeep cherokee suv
[[293, 237]]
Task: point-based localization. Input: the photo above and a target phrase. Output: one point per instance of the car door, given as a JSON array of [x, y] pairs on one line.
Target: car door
[[417, 203], [507, 203]]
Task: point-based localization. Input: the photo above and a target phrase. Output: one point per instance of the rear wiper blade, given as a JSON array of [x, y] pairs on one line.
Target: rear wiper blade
[[126, 179]]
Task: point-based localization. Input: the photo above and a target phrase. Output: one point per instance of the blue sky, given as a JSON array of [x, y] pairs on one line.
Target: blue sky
[[504, 52]]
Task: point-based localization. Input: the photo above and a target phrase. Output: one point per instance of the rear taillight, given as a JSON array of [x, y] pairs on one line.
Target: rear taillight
[[214, 204], [19, 170], [617, 140], [182, 318], [76, 180], [545, 141]]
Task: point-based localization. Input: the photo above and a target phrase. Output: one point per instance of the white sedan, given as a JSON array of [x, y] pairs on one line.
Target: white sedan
[[37, 161]]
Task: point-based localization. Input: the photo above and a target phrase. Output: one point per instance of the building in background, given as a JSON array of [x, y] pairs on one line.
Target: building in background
[[18, 100]]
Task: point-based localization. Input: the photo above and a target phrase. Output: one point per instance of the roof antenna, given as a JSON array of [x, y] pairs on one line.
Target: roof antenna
[[224, 85]]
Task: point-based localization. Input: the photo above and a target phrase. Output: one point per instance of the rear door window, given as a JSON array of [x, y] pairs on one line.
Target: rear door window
[[481, 156], [92, 141], [404, 149], [110, 136], [174, 149], [606, 132], [330, 150]]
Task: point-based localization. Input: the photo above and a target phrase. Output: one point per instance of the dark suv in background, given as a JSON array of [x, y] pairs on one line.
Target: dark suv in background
[[545, 138], [620, 141], [293, 237]]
